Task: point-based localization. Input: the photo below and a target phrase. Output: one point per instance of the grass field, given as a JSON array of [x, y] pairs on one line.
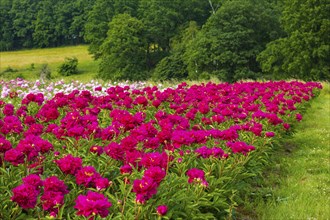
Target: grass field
[[27, 63], [298, 185]]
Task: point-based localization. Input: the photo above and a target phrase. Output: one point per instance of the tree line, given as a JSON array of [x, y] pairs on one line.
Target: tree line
[[180, 39]]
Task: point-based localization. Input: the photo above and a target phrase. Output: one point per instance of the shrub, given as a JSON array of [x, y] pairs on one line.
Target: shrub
[[45, 72], [10, 70], [69, 67]]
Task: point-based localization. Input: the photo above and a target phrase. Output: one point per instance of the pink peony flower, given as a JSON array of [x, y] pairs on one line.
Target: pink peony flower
[[96, 149], [298, 117], [195, 175], [86, 176], [270, 134], [14, 156], [101, 183], [69, 164], [52, 201], [8, 110], [5, 145], [55, 185], [286, 126], [204, 152], [155, 173], [25, 196], [92, 204], [114, 150], [126, 169], [145, 188], [154, 159], [33, 180], [240, 147], [161, 210]]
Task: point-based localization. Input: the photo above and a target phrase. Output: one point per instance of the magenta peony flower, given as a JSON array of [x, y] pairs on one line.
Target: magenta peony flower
[[48, 113], [155, 173], [154, 159], [126, 169], [14, 156], [286, 126], [55, 185], [140, 199], [96, 149], [240, 147], [52, 201], [92, 204], [161, 210], [32, 145], [5, 145], [270, 134], [11, 124], [33, 180], [69, 164], [86, 176], [204, 152], [25, 196], [195, 175], [298, 117], [217, 152], [8, 110], [114, 150], [34, 129], [145, 188], [101, 183]]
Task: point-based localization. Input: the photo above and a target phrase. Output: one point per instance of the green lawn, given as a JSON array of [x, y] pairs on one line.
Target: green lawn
[[22, 61], [299, 184]]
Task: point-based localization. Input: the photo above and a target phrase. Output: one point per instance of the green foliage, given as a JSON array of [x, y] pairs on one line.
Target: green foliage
[[230, 40], [6, 27], [24, 14], [97, 25], [48, 23], [161, 21], [123, 52], [69, 67], [10, 70], [173, 66], [304, 53], [44, 29]]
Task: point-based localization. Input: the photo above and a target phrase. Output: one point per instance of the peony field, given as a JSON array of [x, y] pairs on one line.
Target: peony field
[[138, 151]]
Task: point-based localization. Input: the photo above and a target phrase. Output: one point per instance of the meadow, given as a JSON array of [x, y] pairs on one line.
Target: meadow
[[27, 63]]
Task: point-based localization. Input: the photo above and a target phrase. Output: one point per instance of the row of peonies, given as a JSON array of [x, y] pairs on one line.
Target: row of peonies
[[20, 87], [145, 131]]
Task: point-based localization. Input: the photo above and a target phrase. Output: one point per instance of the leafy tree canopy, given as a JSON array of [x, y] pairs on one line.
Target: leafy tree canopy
[[230, 40], [123, 51], [304, 53]]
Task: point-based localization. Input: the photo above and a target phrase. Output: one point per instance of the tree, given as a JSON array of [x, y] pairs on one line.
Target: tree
[[44, 34], [97, 25], [231, 39], [123, 53], [98, 18], [126, 6], [161, 20], [6, 30], [304, 53], [79, 19], [173, 66], [24, 14]]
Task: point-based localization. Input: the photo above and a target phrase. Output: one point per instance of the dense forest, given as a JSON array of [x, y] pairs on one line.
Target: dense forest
[[180, 39]]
